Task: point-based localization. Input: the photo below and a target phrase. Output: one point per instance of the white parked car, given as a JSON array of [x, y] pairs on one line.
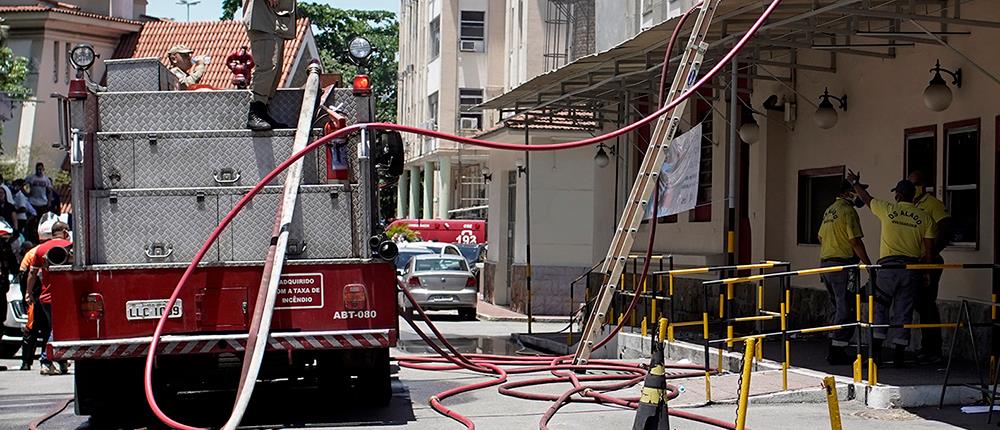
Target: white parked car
[[17, 317], [441, 282]]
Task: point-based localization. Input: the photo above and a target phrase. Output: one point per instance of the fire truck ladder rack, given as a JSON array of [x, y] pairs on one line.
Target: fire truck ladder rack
[[648, 177], [260, 325]]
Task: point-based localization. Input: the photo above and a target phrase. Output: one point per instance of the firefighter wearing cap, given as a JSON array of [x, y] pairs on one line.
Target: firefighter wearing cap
[[269, 23], [907, 238], [840, 244], [188, 70], [926, 306]]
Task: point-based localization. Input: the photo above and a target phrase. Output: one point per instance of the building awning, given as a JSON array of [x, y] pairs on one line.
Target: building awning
[[836, 28]]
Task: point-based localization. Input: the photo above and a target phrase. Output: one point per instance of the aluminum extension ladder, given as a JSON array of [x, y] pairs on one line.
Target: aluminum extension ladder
[[649, 173]]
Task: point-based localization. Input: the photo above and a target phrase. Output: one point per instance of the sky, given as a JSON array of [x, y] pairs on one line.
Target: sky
[[210, 10]]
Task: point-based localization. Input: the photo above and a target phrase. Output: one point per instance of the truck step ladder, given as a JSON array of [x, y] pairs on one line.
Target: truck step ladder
[[648, 177]]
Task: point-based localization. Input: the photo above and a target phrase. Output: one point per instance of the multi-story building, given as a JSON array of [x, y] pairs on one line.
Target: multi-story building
[[44, 31], [551, 214], [449, 62]]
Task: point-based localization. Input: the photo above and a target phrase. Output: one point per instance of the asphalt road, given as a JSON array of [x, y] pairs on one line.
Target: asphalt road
[[24, 396]]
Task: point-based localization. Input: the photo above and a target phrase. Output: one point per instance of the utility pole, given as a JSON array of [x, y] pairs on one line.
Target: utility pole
[[188, 3]]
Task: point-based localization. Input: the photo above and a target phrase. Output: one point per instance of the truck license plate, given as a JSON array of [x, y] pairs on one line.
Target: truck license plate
[[151, 309]]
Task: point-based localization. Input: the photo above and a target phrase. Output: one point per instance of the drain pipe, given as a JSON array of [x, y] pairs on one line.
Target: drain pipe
[[260, 326]]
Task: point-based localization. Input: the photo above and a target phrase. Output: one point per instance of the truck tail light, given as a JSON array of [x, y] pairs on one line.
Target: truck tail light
[[471, 282], [92, 306], [362, 85], [355, 297], [413, 282]]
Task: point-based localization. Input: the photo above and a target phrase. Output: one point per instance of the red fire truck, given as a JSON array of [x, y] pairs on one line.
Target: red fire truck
[[154, 171]]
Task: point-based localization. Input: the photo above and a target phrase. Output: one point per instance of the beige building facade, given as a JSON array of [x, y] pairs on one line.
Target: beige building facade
[[44, 32], [450, 62], [781, 181]]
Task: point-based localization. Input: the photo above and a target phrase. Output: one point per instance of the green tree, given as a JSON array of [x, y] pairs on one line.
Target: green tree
[[335, 28], [229, 8], [12, 72]]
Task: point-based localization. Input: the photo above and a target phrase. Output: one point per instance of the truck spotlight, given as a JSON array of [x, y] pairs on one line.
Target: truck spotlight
[[360, 48], [82, 56]]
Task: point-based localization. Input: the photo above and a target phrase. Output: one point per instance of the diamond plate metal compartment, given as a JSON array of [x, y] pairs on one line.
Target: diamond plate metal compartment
[[189, 110], [194, 159], [152, 226], [139, 74], [322, 226], [354, 108]]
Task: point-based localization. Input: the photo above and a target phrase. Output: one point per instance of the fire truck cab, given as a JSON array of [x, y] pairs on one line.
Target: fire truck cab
[[154, 170]]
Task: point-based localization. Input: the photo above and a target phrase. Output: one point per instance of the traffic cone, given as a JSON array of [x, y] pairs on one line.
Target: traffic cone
[[652, 411]]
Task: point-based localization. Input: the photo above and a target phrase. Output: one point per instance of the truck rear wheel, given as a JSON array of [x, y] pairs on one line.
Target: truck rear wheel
[[110, 391], [467, 314], [360, 376]]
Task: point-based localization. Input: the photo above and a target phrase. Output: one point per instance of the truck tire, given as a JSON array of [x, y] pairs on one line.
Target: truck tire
[[467, 314], [358, 376], [109, 391]]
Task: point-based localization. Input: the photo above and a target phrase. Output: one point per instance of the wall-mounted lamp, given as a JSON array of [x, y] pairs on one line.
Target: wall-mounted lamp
[[487, 175], [826, 115], [521, 170], [750, 131], [601, 158], [937, 95]]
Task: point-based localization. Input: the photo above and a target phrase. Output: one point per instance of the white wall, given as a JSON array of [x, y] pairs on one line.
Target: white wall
[[885, 97]]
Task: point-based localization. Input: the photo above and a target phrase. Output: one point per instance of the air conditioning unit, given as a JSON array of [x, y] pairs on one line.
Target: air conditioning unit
[[468, 123], [471, 46]]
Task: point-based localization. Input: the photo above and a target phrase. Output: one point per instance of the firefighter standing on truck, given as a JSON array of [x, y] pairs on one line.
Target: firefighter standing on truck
[[269, 23], [907, 238], [840, 245], [926, 306]]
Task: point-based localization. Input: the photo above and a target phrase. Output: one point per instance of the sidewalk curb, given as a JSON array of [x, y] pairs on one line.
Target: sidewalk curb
[[877, 397], [540, 319]]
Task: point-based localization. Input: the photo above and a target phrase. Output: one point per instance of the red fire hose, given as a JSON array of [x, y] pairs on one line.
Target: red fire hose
[[481, 365]]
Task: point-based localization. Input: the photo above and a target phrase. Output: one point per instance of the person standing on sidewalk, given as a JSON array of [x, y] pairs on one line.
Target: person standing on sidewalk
[[907, 238], [269, 23], [926, 306], [40, 266], [36, 327], [840, 245]]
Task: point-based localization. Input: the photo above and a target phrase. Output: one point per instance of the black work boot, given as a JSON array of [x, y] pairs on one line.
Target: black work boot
[[836, 356], [257, 117]]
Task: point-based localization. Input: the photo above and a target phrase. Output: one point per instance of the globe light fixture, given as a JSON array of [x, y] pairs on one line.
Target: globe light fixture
[[826, 114], [937, 95], [601, 159]]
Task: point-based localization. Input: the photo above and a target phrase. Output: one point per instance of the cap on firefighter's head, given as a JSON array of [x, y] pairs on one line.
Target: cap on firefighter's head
[[180, 49]]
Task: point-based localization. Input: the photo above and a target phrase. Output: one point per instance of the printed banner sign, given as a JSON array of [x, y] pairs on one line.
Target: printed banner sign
[[679, 176], [300, 291]]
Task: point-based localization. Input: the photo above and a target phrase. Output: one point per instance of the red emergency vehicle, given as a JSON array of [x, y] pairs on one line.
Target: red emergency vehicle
[[154, 170], [460, 231]]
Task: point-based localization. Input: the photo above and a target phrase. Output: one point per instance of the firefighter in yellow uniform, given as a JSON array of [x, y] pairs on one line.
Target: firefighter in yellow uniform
[[269, 23], [926, 305], [907, 238], [840, 245]]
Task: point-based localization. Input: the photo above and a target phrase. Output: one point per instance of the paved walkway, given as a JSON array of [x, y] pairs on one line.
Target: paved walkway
[[489, 312]]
